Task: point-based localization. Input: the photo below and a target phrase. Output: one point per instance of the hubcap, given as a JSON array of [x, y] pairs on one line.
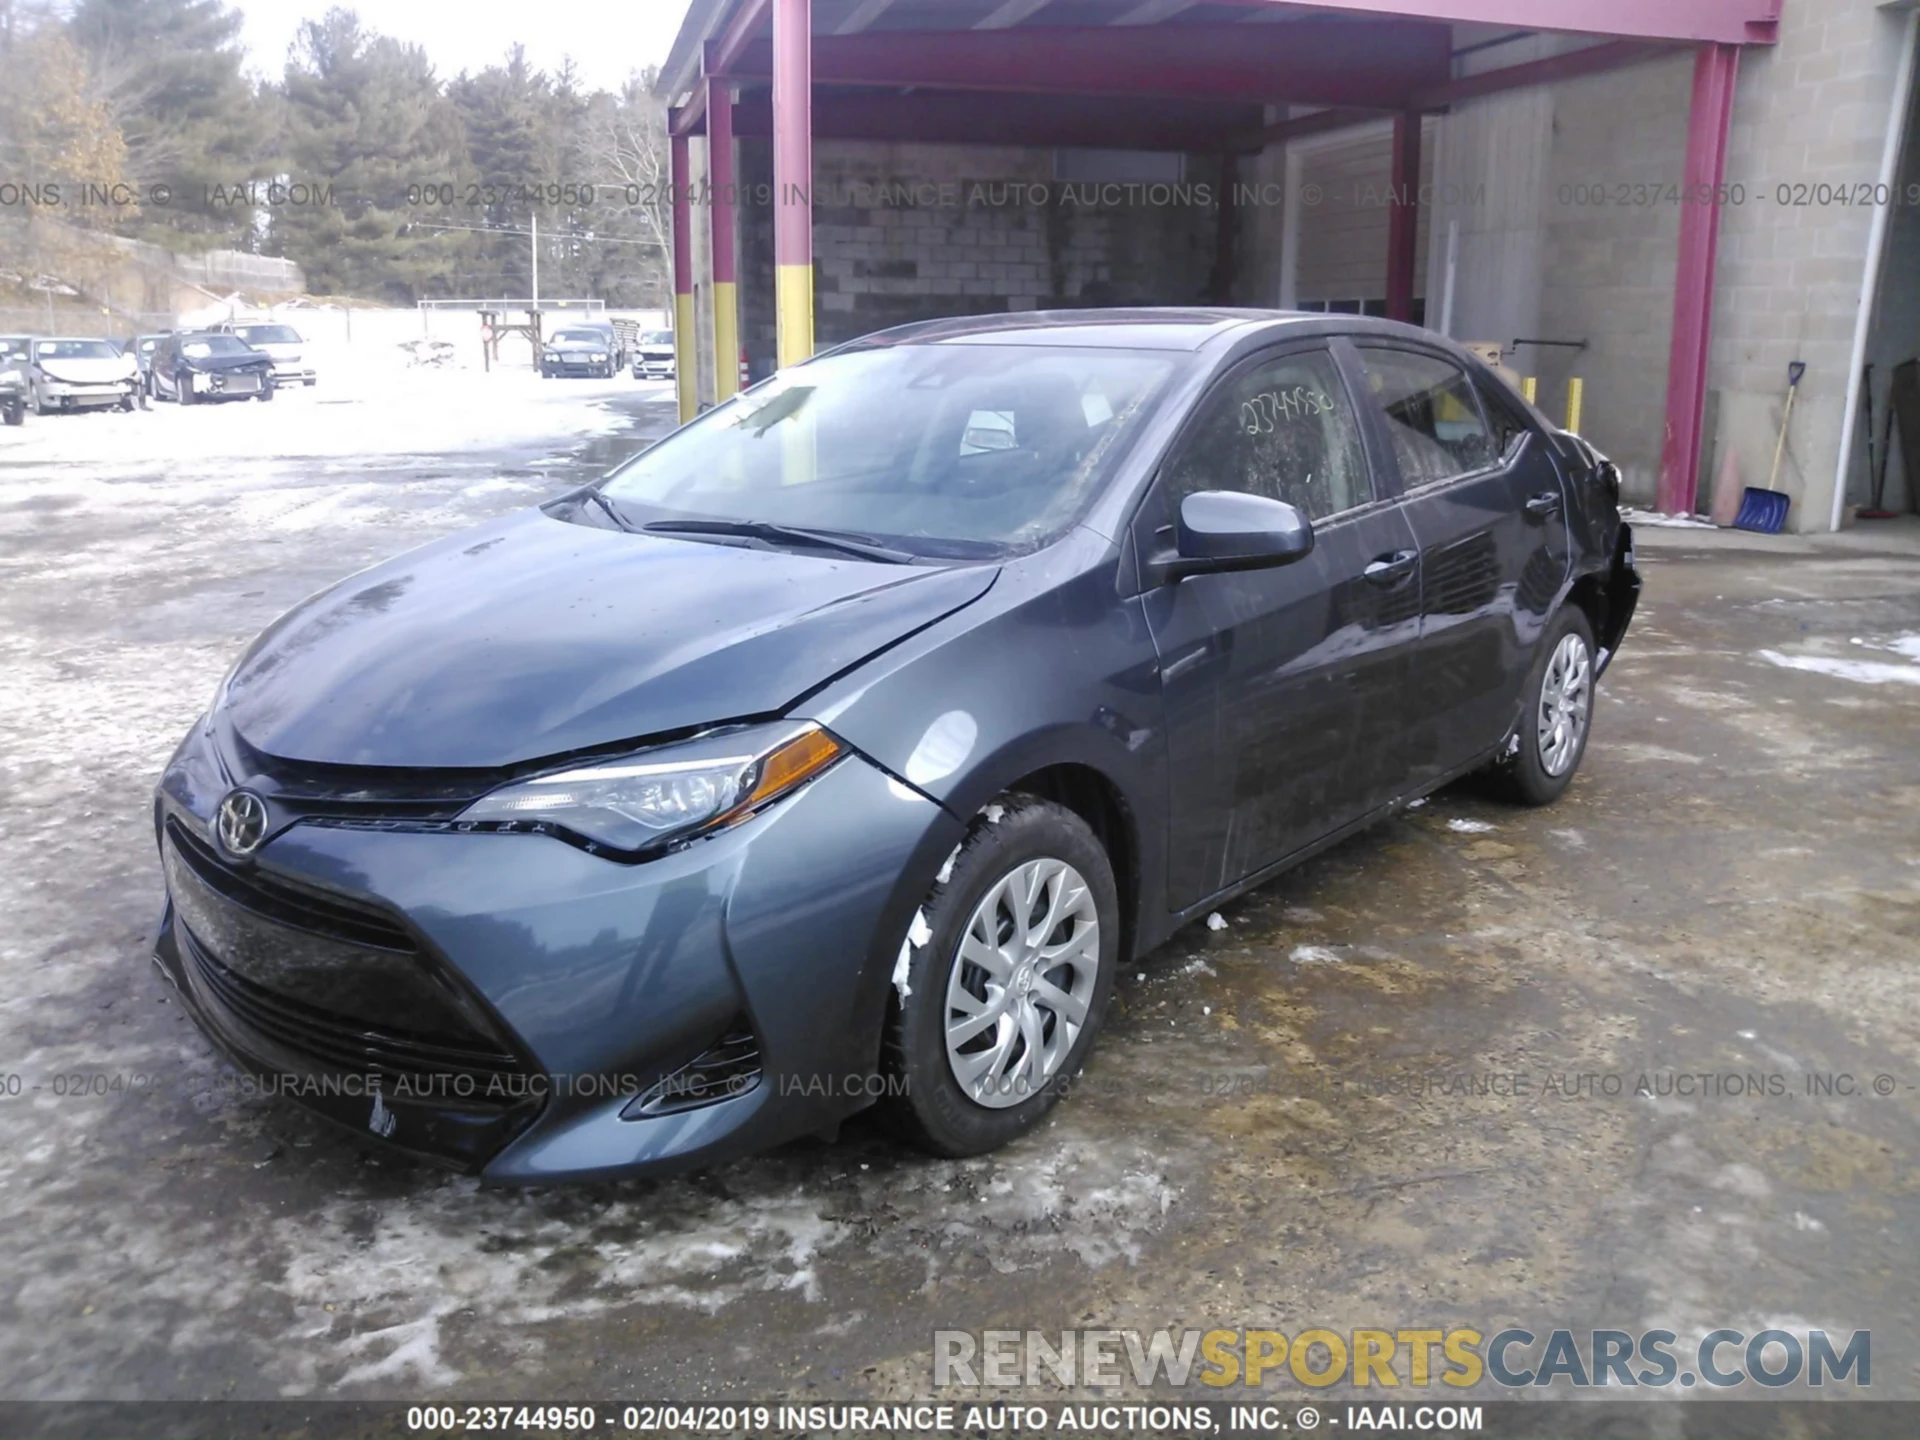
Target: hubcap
[[1021, 982], [1566, 701]]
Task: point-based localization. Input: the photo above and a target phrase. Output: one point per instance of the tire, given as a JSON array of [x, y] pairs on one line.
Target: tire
[[16, 413], [1031, 839], [266, 394], [1537, 768], [183, 394]]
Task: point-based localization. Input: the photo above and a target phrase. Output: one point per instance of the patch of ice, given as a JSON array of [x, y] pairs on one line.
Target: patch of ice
[[946, 870], [1197, 967], [1863, 672], [1313, 955], [995, 813], [1216, 921], [1469, 827], [1654, 519]]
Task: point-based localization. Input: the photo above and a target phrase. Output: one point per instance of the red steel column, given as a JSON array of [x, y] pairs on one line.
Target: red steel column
[[793, 178], [1403, 221], [680, 178], [1715, 68], [720, 177]]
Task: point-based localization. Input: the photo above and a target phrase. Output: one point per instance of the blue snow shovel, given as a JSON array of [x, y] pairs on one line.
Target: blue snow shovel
[[1766, 510]]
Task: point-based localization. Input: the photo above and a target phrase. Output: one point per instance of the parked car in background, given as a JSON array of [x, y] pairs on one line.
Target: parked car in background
[[282, 342], [653, 359], [13, 378], [950, 670], [201, 366], [75, 373], [578, 349], [140, 347]]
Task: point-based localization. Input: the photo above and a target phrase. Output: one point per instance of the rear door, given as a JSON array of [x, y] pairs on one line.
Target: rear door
[[1274, 679], [1485, 501]]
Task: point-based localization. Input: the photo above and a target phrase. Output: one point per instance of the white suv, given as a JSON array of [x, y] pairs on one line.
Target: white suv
[[282, 342]]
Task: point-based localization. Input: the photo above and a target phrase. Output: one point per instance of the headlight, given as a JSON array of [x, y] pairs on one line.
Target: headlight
[[640, 801], [598, 355]]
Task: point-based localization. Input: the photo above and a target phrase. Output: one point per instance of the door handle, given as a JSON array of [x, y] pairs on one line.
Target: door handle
[[1390, 570], [1546, 503]]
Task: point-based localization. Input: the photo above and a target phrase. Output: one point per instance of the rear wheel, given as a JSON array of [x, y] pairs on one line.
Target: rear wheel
[[1547, 745], [994, 1014]]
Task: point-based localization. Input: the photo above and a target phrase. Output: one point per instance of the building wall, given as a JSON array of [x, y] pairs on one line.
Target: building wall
[[1610, 256], [906, 232]]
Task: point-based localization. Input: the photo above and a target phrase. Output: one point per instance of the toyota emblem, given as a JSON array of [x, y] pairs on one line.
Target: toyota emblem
[[241, 823]]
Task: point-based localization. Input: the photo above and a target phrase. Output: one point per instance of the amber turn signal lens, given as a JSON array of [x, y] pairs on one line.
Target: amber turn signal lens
[[801, 758]]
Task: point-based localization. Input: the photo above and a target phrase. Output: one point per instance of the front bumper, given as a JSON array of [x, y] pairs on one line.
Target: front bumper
[[654, 369], [293, 372], [577, 366], [230, 384], [111, 392], [347, 957]]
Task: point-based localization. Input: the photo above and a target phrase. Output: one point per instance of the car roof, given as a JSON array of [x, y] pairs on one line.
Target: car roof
[[1119, 328]]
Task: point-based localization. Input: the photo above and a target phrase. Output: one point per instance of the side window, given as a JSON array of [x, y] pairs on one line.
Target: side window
[[1504, 418], [1284, 429], [1435, 421]]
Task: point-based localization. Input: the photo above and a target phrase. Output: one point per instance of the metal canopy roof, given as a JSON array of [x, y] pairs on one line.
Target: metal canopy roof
[[1261, 51]]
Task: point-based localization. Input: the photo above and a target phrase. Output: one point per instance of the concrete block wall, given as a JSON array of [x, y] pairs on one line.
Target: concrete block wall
[[1813, 111], [1611, 247], [906, 232]]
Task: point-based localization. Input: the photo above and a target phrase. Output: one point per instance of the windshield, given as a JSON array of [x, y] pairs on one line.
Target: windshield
[[579, 337], [205, 345], [268, 334], [75, 350], [13, 349], [964, 451], [657, 337]]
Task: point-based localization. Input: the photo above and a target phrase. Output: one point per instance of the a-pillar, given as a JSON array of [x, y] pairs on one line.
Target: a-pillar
[[793, 178], [720, 178], [685, 357], [1715, 68]]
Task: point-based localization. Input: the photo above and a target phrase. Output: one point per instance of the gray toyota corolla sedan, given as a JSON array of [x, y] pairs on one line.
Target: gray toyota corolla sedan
[[842, 746]]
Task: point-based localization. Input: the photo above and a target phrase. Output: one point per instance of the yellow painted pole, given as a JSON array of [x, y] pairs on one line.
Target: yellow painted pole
[[793, 179], [1576, 398], [685, 362], [726, 314], [1530, 388]]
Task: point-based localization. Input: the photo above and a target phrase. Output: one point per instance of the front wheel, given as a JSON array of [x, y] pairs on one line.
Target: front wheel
[[1546, 747], [1003, 980]]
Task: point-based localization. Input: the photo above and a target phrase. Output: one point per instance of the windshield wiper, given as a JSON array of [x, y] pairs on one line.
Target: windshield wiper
[[606, 506], [861, 545]]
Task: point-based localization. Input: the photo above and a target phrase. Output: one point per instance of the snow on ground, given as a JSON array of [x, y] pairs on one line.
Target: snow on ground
[[1900, 667], [377, 417]]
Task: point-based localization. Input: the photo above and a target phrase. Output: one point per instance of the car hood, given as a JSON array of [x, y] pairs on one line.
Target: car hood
[[89, 372], [532, 637], [221, 363]]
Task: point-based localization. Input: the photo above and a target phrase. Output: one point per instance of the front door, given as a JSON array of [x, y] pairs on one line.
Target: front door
[[1273, 679], [1485, 499]]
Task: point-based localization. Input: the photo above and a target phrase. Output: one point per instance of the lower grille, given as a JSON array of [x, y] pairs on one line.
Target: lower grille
[[325, 982], [421, 1065]]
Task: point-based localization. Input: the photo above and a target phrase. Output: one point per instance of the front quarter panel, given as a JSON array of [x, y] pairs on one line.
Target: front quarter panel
[[1053, 667]]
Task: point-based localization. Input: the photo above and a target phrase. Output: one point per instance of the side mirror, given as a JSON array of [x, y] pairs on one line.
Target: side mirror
[[1223, 530]]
